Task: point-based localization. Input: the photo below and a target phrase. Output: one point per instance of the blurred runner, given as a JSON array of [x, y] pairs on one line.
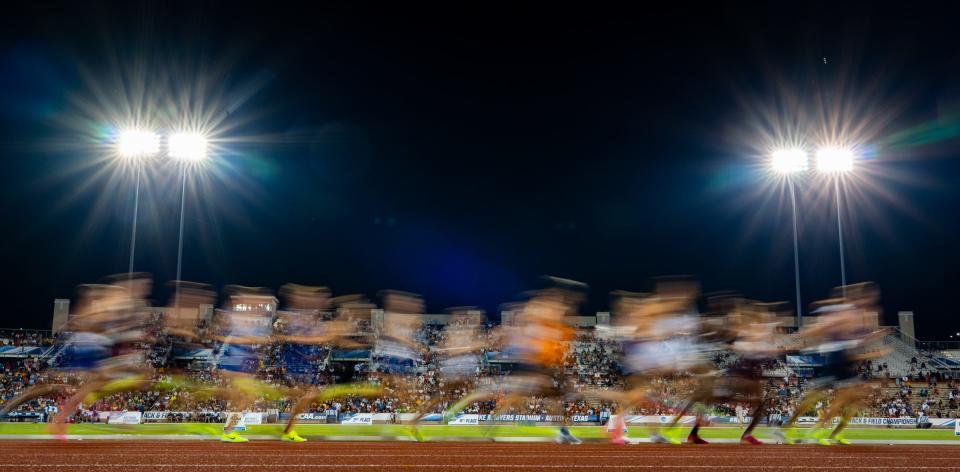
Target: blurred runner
[[842, 338], [656, 332], [396, 349], [461, 345], [108, 343], [303, 331], [750, 340], [84, 348], [538, 343], [186, 324], [245, 323]]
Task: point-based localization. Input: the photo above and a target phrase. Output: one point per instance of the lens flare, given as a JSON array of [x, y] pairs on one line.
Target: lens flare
[[133, 143], [789, 161], [835, 160], [191, 147]]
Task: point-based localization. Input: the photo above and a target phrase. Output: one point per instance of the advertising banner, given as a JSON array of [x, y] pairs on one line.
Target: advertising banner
[[474, 419], [240, 424], [312, 416], [585, 419], [24, 414], [943, 422], [465, 420], [658, 419], [807, 420], [358, 418], [159, 416], [253, 418], [870, 421], [155, 415], [731, 419], [522, 418], [124, 417], [881, 421]]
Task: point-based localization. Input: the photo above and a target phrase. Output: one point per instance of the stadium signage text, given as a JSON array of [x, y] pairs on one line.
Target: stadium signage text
[[860, 420], [312, 416], [359, 418], [122, 417], [162, 415], [472, 419]]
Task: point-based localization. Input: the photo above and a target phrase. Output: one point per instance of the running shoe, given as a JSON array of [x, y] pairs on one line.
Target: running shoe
[[233, 438], [292, 436], [694, 438], [791, 436], [658, 438], [822, 437], [842, 440], [749, 439], [617, 436], [566, 438]]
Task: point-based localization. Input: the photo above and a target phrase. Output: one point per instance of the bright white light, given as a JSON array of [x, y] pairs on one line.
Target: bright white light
[[832, 160], [138, 143], [187, 146], [789, 161]]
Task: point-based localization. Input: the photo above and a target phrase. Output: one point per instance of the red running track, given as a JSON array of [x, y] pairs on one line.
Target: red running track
[[138, 455]]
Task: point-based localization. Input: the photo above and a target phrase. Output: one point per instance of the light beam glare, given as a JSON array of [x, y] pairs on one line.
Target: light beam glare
[[119, 101], [850, 116], [789, 161], [834, 160]]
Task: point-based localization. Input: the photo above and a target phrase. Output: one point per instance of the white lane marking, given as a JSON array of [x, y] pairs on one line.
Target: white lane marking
[[490, 466], [525, 456], [321, 442], [774, 452]]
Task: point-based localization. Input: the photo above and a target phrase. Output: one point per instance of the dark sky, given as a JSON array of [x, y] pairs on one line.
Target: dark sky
[[462, 151]]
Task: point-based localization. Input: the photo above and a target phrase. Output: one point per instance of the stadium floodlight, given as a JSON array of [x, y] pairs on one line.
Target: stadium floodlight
[[834, 160], [186, 147], [789, 161], [837, 161], [191, 147], [136, 144], [133, 143]]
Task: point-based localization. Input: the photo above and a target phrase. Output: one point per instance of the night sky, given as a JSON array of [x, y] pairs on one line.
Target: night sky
[[462, 151]]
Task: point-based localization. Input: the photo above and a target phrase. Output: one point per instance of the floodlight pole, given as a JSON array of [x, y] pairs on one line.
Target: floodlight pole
[[796, 253], [133, 231], [843, 267], [183, 199]]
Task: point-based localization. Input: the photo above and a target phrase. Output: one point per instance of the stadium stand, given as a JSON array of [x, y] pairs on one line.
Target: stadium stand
[[911, 379]]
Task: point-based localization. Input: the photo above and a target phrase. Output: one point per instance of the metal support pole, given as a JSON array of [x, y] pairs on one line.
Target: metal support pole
[[183, 199], [133, 232], [843, 267], [796, 254]]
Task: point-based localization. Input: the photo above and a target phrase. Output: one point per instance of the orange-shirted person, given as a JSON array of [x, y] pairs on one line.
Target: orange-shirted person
[[536, 345], [552, 342]]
